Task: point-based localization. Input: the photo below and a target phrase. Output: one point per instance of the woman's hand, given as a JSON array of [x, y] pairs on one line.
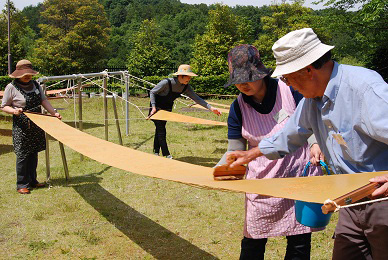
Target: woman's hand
[[17, 111], [58, 116], [316, 155], [153, 111], [215, 111]]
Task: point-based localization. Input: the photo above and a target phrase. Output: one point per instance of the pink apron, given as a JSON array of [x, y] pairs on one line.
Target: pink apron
[[264, 216]]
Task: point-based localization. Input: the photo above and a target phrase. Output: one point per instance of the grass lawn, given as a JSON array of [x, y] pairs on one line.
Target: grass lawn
[[106, 213]]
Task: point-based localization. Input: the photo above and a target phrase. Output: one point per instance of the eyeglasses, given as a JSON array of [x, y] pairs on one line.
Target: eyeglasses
[[287, 80]]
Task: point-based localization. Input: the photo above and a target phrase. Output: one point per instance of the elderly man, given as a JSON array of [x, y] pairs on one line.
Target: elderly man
[[345, 108]]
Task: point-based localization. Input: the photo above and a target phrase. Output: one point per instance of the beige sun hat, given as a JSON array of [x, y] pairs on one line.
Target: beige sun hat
[[185, 69], [296, 50], [23, 67]]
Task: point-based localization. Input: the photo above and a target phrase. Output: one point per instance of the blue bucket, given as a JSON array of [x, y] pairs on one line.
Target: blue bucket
[[308, 213]]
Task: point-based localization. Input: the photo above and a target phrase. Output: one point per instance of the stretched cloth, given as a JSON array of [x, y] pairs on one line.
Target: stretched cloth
[[218, 104], [223, 110], [311, 189], [170, 116]]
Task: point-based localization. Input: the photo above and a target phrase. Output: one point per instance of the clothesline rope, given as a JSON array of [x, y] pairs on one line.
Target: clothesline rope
[[338, 207]]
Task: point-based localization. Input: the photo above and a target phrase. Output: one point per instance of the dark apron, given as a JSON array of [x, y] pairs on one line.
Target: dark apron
[[27, 137], [167, 102]]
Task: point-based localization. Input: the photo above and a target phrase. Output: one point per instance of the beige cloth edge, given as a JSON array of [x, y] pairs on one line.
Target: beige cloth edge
[[223, 110], [170, 116], [218, 104], [311, 189]]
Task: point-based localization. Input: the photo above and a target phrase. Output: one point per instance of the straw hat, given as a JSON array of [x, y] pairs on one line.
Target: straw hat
[[185, 69], [296, 50], [245, 65], [23, 67]]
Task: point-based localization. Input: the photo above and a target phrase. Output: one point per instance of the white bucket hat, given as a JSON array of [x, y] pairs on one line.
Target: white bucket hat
[[296, 50]]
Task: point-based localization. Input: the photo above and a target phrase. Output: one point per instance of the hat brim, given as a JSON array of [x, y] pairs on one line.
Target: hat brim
[[21, 73], [243, 76], [191, 74], [301, 62]]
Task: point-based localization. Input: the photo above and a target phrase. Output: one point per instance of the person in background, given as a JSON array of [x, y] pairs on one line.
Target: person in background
[[345, 107], [25, 94], [162, 96], [262, 109]]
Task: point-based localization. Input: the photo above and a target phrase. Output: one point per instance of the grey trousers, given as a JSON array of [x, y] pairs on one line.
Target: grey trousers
[[362, 232]]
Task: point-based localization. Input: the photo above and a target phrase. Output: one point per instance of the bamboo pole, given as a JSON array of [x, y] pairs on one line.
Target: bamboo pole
[[47, 151], [81, 126], [64, 161], [350, 197], [117, 119], [105, 108]]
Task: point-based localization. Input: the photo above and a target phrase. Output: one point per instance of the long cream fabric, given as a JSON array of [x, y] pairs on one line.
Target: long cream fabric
[[218, 104], [223, 110], [311, 189], [170, 116]]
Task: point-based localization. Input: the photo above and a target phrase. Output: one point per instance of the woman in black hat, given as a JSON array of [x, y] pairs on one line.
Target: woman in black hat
[[262, 109], [25, 94]]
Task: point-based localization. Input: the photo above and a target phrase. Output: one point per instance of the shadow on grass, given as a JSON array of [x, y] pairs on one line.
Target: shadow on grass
[[156, 240], [5, 117], [86, 125], [208, 162], [203, 128], [6, 132], [139, 144], [5, 148]]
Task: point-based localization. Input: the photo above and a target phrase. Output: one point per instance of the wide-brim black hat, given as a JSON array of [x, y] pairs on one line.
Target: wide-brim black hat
[[245, 65]]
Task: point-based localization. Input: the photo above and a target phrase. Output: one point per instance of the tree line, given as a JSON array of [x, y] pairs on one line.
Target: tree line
[[152, 37]]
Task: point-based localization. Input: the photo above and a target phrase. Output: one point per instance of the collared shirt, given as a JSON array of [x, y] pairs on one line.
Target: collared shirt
[[350, 122], [162, 89]]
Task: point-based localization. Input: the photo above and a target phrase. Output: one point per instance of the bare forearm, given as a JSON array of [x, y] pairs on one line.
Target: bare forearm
[[10, 110], [47, 105]]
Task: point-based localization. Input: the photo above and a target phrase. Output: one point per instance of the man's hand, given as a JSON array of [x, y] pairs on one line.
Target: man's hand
[[215, 111], [383, 190], [236, 158], [316, 155]]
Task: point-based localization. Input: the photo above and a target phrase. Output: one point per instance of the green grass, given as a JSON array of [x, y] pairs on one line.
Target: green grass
[[106, 213]]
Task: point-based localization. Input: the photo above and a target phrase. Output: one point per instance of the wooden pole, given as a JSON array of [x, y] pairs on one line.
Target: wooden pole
[[126, 78], [47, 151], [106, 107], [117, 119], [64, 161], [351, 197], [81, 126]]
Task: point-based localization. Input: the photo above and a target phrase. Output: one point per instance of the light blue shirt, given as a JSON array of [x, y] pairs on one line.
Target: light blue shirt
[[350, 123]]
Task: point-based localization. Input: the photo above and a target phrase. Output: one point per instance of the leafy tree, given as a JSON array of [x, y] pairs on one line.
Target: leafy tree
[[370, 25], [284, 19], [147, 57], [21, 37], [32, 13], [75, 37], [224, 31], [178, 33]]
